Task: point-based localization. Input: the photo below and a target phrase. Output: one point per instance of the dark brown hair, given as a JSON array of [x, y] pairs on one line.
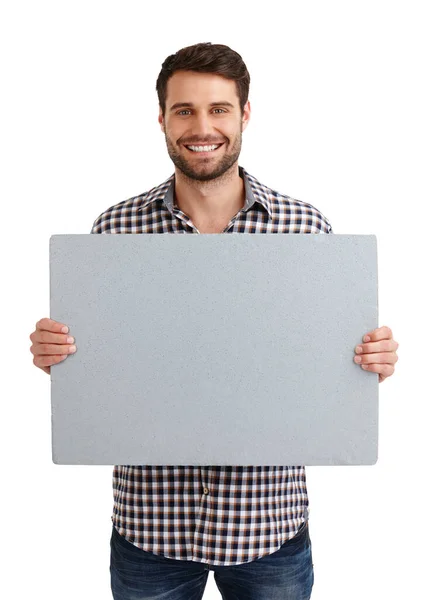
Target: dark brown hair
[[206, 58]]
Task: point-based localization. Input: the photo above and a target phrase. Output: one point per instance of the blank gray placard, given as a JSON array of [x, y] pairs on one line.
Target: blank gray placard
[[214, 349]]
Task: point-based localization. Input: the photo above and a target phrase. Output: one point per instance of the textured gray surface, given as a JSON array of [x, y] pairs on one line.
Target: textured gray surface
[[214, 349]]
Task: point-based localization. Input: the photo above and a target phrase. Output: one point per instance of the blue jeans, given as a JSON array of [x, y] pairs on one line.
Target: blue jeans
[[287, 574]]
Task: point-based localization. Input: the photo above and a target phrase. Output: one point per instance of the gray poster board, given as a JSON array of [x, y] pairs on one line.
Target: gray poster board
[[214, 349]]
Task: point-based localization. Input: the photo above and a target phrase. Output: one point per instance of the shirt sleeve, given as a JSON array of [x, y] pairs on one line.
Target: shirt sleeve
[[96, 227]]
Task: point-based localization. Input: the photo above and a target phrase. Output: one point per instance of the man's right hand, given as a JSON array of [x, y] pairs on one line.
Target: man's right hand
[[50, 344]]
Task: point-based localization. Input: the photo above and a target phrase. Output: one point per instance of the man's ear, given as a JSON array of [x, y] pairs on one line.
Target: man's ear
[[246, 116], [161, 120]]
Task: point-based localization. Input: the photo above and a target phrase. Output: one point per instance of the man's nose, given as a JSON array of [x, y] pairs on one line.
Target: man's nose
[[202, 124]]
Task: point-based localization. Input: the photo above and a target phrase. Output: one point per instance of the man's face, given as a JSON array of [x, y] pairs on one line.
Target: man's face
[[213, 116]]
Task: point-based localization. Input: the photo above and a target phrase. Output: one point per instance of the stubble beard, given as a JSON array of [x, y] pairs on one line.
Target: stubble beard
[[202, 173]]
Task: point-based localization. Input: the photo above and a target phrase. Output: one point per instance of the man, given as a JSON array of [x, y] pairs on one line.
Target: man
[[172, 524]]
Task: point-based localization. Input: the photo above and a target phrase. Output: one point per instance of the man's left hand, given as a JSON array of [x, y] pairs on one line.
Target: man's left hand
[[378, 353]]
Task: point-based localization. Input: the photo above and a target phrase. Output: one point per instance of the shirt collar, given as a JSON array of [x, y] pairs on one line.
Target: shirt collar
[[254, 192]]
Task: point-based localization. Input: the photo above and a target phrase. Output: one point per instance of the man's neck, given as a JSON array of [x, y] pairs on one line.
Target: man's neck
[[210, 202]]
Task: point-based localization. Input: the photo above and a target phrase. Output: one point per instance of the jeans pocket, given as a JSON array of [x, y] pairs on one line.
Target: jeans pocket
[[302, 528], [126, 550]]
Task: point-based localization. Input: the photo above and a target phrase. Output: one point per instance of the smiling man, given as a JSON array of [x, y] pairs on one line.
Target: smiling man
[[173, 524], [203, 132]]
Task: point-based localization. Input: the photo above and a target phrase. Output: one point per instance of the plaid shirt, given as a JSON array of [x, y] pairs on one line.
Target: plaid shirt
[[210, 514]]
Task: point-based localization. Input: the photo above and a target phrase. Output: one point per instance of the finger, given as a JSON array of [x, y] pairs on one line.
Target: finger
[[51, 349], [47, 324], [382, 346], [382, 333], [384, 357], [385, 370], [46, 337], [47, 361]]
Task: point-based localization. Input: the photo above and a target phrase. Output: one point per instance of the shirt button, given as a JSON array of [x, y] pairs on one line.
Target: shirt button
[[205, 491]]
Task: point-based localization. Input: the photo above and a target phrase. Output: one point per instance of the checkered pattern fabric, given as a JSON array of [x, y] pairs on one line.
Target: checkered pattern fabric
[[217, 515]]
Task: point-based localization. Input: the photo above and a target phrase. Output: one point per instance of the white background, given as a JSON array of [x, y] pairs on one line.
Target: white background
[[341, 97]]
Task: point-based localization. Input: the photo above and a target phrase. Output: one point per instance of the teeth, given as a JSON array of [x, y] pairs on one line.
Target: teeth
[[203, 148]]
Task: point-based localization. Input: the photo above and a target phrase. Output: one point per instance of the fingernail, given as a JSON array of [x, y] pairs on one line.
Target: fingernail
[[366, 338], [65, 329], [70, 340], [72, 349]]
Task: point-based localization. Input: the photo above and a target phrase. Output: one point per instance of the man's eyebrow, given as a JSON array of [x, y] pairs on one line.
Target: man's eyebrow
[[191, 105]]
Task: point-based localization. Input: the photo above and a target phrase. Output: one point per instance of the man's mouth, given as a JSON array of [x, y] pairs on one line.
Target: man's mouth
[[202, 149]]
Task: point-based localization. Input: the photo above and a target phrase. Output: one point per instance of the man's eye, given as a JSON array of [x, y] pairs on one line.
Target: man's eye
[[187, 110]]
